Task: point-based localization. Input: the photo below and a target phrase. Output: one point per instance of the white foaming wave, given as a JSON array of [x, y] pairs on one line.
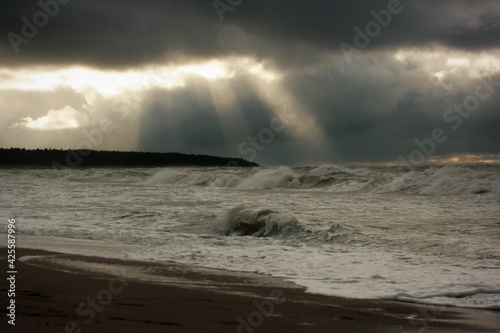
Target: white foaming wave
[[193, 177], [428, 181], [465, 296], [324, 177], [329, 170], [282, 177], [473, 290], [454, 181], [441, 181], [247, 220], [257, 222]]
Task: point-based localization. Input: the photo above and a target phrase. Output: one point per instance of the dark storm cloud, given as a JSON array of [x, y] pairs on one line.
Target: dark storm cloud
[[112, 33], [124, 33], [374, 118], [372, 109]]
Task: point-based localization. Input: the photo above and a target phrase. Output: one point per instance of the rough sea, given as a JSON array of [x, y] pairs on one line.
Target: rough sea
[[428, 235]]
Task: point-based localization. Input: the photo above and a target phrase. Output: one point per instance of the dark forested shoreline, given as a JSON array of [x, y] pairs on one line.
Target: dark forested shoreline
[[60, 159]]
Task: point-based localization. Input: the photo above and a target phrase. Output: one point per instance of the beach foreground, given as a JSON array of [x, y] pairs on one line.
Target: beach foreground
[[68, 293]]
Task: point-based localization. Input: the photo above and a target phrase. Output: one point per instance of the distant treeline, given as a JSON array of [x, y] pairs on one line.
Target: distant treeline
[[60, 159]]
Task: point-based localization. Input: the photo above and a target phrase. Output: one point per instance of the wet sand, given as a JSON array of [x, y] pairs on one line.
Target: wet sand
[[68, 293]]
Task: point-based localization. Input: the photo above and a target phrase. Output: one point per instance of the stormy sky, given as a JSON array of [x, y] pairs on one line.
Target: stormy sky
[[276, 82]]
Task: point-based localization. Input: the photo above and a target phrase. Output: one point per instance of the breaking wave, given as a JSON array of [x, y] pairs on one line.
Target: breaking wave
[[431, 180], [442, 181], [247, 221]]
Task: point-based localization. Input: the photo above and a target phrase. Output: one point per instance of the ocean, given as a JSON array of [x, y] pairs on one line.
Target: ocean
[[428, 235]]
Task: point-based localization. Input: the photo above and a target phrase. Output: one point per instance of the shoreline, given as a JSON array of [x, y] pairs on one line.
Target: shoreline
[[58, 292]]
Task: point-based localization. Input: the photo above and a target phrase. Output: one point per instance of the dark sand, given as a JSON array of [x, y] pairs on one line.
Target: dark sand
[[56, 296]]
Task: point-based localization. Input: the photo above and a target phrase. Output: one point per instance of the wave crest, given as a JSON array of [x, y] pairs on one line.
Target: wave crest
[[430, 181], [247, 221]]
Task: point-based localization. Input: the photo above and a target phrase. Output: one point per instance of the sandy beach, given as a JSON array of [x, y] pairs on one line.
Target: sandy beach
[[68, 293]]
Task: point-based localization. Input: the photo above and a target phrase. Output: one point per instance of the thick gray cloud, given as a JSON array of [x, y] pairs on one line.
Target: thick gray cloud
[[371, 109], [126, 33]]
